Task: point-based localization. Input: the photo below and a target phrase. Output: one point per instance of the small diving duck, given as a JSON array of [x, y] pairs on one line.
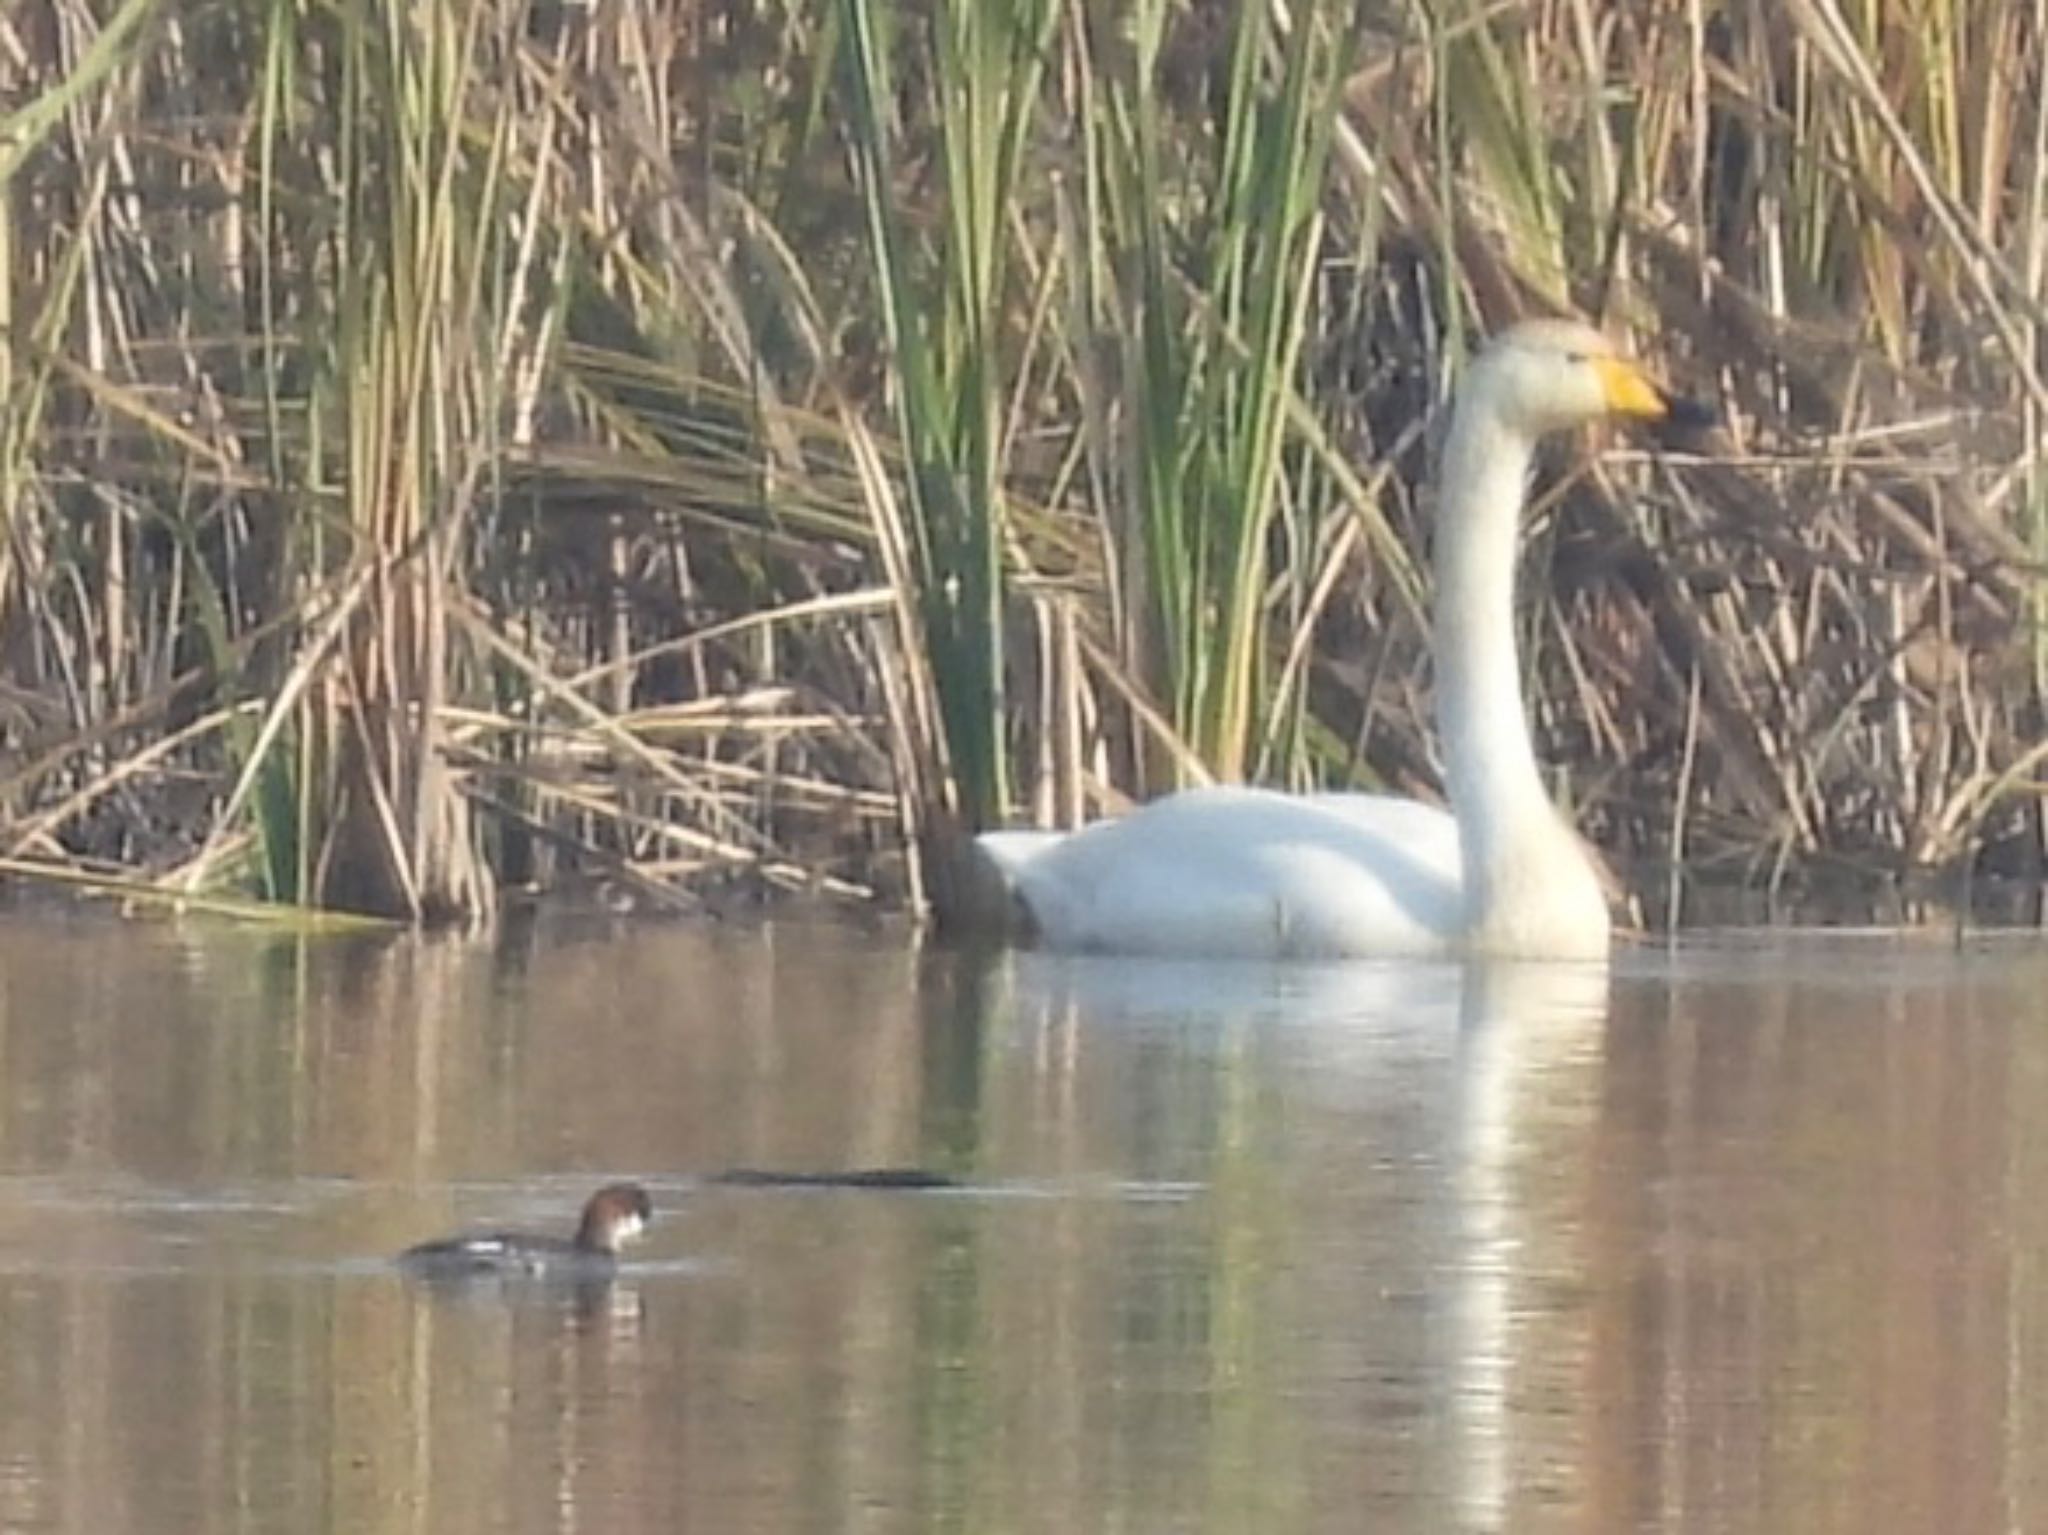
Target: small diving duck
[[615, 1216]]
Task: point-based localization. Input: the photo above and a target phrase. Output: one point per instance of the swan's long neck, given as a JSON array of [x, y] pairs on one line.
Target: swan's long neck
[[1515, 850], [1489, 759]]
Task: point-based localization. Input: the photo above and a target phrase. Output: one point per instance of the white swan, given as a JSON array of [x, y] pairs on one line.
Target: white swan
[[1252, 872]]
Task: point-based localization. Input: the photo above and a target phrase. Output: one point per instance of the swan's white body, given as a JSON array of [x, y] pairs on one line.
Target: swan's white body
[[1245, 872], [1251, 872]]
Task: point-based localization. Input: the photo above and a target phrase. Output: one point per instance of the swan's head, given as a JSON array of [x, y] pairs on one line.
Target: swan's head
[[1547, 375]]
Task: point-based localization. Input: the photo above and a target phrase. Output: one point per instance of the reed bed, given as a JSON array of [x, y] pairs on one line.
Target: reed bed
[[680, 453]]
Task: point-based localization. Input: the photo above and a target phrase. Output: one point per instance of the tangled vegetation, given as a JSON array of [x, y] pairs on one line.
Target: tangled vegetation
[[682, 449]]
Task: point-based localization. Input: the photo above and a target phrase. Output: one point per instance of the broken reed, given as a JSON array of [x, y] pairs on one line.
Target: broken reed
[[463, 444]]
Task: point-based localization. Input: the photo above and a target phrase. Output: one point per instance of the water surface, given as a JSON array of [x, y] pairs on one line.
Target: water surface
[[1745, 1237]]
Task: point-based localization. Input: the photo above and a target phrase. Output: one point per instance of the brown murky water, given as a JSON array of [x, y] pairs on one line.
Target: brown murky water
[[1752, 1238]]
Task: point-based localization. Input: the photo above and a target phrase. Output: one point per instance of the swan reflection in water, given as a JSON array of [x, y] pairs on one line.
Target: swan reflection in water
[[1433, 1127]]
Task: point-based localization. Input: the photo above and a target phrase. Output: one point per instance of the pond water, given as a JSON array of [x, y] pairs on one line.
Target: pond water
[[1751, 1235]]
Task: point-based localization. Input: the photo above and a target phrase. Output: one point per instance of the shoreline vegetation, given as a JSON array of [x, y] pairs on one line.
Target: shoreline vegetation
[[681, 452]]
